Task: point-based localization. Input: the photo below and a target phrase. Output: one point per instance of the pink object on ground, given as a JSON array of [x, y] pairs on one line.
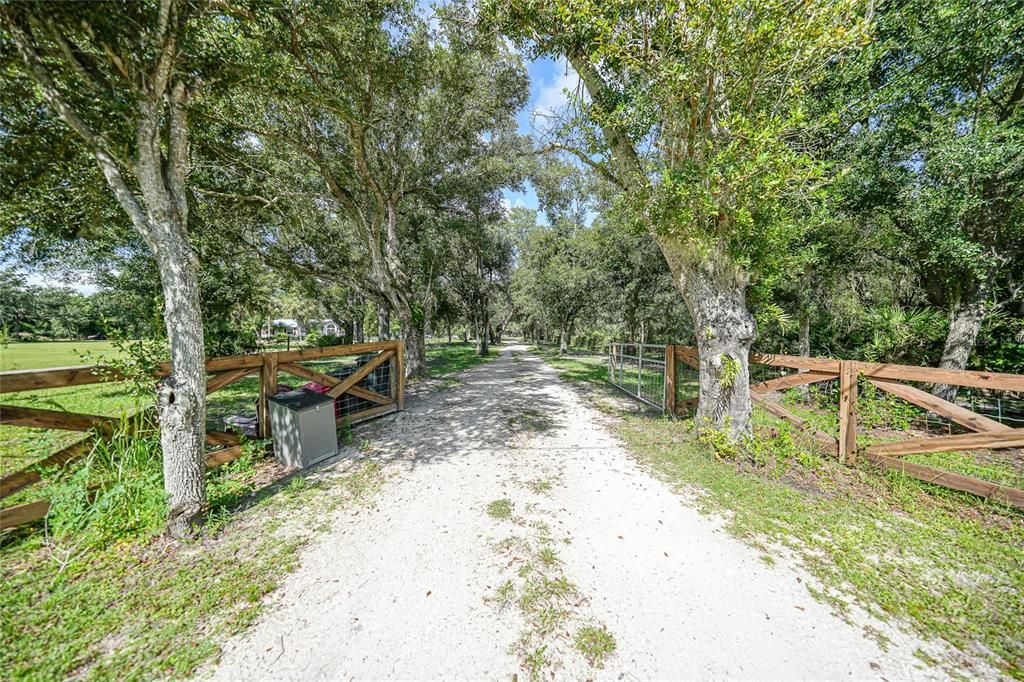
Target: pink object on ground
[[320, 388]]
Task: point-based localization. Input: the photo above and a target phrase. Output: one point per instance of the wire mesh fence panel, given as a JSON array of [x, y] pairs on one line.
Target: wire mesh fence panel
[[687, 382], [378, 381], [639, 370]]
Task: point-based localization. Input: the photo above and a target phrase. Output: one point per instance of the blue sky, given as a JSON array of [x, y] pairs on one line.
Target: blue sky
[[548, 81]]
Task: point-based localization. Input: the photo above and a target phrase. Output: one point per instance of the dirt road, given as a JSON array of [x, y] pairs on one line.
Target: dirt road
[[514, 535]]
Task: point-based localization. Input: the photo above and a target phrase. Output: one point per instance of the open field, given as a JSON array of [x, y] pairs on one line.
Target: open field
[[36, 355]]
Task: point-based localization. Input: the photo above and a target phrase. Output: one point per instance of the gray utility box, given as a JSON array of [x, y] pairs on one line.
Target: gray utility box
[[302, 425]]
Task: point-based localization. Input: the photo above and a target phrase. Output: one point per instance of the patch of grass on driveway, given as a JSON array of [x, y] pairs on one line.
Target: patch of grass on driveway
[[448, 358], [586, 367], [951, 565]]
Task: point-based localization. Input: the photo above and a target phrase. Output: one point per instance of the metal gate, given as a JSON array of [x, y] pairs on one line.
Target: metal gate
[[639, 370]]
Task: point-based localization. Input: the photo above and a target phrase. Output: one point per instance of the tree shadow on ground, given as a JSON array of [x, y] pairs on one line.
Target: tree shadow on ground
[[483, 408], [494, 403]]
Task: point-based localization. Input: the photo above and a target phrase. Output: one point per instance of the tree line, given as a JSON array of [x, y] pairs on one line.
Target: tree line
[[830, 178]]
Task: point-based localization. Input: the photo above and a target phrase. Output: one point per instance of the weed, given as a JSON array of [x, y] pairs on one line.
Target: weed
[[115, 492], [505, 594], [534, 662], [719, 441], [540, 486], [345, 431], [529, 420], [296, 485], [595, 643], [548, 620], [541, 527], [541, 591], [500, 509], [511, 544], [547, 556]]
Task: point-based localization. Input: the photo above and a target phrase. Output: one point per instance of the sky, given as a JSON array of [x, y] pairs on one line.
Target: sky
[[549, 79]]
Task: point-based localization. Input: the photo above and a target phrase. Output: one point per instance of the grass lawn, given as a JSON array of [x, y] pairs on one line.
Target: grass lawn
[[447, 358], [950, 565], [145, 608], [22, 446], [39, 354]]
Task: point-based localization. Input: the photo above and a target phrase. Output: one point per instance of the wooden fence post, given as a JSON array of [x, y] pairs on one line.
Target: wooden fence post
[[268, 387], [670, 380], [848, 373]]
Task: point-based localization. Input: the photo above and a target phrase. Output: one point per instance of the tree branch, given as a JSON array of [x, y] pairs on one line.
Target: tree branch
[[623, 153], [601, 168], [99, 146]]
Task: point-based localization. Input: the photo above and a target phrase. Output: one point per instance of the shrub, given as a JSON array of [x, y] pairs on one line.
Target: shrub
[[228, 340], [317, 339], [114, 493]]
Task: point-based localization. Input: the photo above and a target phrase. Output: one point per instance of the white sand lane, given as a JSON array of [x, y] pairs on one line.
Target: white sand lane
[[398, 591]]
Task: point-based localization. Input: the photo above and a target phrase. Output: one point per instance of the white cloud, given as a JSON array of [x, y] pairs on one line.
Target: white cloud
[[552, 96]]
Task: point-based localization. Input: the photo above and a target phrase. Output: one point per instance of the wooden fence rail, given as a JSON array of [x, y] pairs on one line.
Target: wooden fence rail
[[224, 370], [986, 433]]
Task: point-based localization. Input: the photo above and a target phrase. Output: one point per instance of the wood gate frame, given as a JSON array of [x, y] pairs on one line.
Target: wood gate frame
[[225, 371], [985, 432]]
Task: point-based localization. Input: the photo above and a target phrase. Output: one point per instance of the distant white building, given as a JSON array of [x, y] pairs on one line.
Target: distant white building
[[298, 329]]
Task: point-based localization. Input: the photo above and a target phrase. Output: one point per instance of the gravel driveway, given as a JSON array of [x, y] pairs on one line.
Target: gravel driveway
[[515, 537]]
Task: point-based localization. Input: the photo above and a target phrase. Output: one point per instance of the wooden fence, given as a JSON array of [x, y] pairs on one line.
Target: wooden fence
[[224, 370], [983, 432]]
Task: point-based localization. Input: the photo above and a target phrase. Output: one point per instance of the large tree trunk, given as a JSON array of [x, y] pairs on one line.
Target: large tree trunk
[[383, 322], [965, 320], [415, 349], [482, 328], [715, 294], [182, 396], [563, 338]]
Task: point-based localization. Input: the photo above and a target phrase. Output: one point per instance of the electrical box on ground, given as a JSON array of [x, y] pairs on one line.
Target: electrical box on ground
[[303, 427]]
